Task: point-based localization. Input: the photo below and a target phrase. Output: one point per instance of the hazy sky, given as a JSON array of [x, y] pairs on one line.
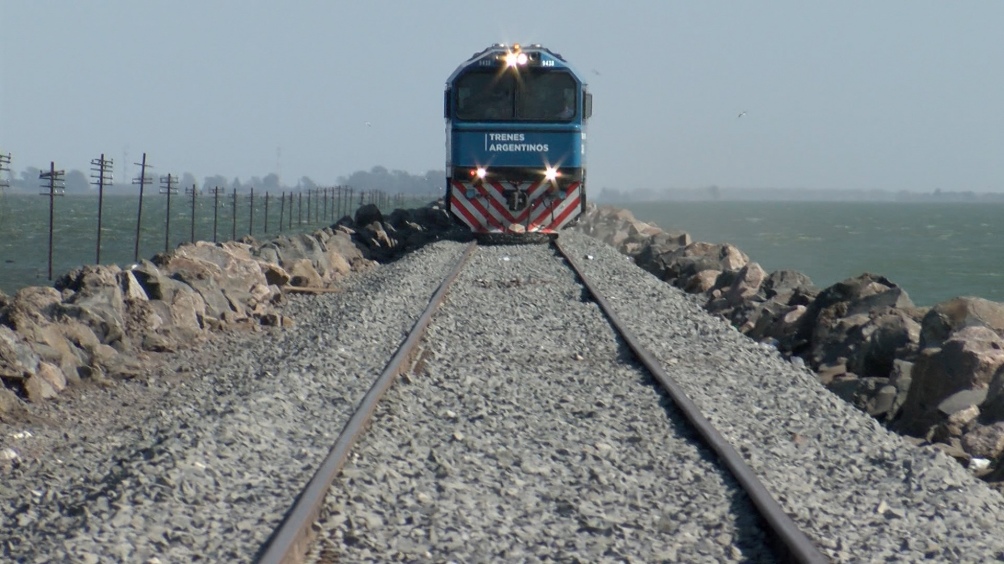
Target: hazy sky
[[895, 95]]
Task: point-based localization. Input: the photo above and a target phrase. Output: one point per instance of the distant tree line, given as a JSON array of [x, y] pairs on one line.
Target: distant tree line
[[377, 178], [716, 193], [396, 181]]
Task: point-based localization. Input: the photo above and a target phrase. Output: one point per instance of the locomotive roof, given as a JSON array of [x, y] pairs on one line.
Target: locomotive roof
[[490, 57]]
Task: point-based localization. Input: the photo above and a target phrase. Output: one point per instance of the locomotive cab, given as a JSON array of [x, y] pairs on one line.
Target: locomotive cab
[[515, 141]]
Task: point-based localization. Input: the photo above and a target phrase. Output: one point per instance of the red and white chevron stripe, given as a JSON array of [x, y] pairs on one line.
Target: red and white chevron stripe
[[488, 211]]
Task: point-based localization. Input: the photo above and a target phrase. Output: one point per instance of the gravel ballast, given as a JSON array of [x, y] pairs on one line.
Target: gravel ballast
[[527, 432], [200, 459], [859, 491]]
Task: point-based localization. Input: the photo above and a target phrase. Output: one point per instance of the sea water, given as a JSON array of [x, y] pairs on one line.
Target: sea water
[[125, 227], [934, 251]]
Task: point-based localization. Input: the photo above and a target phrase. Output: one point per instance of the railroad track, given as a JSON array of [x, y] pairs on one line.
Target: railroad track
[[524, 434]]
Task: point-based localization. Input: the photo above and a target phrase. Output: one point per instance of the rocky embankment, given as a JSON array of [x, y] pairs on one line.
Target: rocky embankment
[[936, 374], [106, 323]]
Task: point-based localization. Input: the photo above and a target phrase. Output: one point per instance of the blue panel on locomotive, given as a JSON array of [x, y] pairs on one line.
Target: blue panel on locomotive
[[516, 140]]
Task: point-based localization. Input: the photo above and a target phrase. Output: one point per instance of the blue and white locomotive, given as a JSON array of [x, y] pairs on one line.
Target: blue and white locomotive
[[516, 141]]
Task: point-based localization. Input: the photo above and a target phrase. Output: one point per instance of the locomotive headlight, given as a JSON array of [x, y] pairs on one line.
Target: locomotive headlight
[[515, 57], [481, 172], [550, 174]]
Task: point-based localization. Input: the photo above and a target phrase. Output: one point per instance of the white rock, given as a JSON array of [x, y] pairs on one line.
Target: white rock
[[978, 464]]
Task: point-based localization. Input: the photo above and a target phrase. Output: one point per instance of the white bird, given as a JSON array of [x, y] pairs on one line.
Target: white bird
[[368, 124], [741, 114]]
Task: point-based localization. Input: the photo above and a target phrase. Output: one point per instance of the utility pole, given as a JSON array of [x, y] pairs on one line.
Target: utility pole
[[282, 209], [216, 208], [4, 167], [55, 187], [233, 235], [193, 191], [266, 212], [251, 219], [167, 184], [101, 173], [142, 180]]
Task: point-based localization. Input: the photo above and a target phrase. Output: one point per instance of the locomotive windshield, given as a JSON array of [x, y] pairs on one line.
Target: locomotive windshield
[[536, 95]]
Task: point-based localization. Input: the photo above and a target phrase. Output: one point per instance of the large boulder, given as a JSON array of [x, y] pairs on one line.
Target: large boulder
[[683, 263], [836, 338], [30, 310], [367, 214], [774, 311], [33, 316], [53, 347], [331, 252], [275, 275], [888, 335], [302, 274], [789, 287], [652, 255], [417, 227], [10, 403], [947, 317], [132, 290], [746, 284], [993, 405], [703, 282], [24, 371], [777, 323], [342, 251], [156, 284], [645, 242], [833, 322], [985, 441], [224, 275], [33, 304], [95, 299], [969, 359], [17, 359], [433, 217], [379, 241]]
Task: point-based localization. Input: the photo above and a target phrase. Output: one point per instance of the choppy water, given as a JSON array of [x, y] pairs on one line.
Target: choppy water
[[935, 251], [24, 228]]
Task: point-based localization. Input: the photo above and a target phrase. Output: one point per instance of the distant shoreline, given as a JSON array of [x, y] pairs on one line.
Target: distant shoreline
[[615, 197], [715, 194]]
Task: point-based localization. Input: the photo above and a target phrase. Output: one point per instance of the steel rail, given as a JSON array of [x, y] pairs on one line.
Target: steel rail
[[290, 542], [794, 543]]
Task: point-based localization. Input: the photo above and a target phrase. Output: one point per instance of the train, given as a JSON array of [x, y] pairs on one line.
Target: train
[[516, 121]]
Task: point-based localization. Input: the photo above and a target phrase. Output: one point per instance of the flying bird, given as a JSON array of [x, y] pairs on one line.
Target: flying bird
[[368, 124], [741, 114]]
